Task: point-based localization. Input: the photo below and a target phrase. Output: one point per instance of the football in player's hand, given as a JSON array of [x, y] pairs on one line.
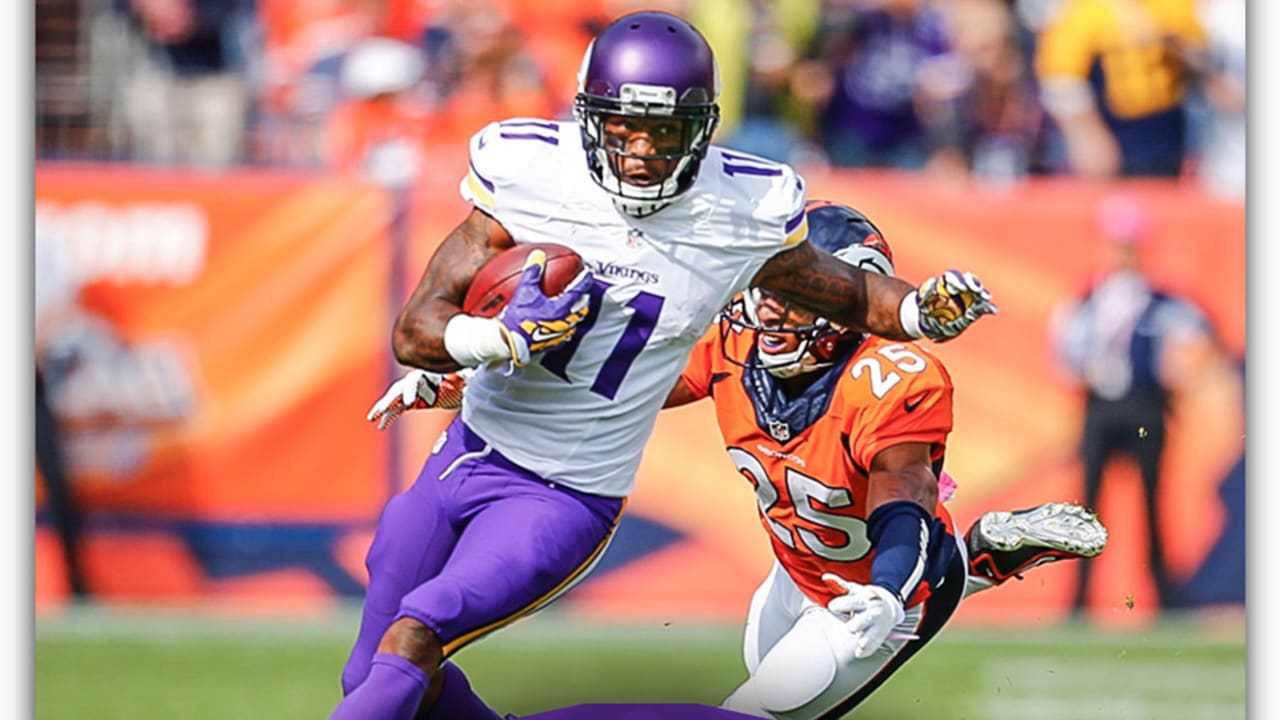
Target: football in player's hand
[[497, 280]]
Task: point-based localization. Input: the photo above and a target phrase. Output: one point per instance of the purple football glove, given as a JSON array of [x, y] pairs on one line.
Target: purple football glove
[[532, 321], [945, 305]]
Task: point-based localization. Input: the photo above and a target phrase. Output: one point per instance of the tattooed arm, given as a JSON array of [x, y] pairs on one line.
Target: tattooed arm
[[836, 290], [418, 338]]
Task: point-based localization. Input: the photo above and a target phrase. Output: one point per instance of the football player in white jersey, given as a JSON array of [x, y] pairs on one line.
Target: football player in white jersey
[[524, 489]]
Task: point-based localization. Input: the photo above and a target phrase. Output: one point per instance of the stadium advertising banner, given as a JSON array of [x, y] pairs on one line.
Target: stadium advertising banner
[[212, 374], [242, 323]]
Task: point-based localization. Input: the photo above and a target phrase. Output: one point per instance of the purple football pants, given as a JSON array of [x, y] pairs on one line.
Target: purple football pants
[[475, 543]]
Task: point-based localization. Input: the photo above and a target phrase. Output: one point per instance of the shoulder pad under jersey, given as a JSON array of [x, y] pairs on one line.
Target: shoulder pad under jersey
[[772, 191], [503, 152]]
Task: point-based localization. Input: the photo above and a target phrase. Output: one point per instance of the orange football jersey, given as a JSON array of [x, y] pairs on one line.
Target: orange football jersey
[[811, 482]]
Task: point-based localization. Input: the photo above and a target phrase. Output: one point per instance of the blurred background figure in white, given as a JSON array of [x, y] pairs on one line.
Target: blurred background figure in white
[[1222, 152], [1131, 346], [378, 130], [178, 68], [56, 289]]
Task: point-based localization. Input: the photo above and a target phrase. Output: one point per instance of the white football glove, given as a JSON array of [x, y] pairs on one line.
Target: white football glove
[[419, 389], [870, 613], [943, 306]]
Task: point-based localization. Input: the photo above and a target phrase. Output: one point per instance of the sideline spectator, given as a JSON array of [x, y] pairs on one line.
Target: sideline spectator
[[767, 90], [1222, 150], [379, 130], [185, 98], [875, 50], [304, 45], [556, 34], [481, 70], [1114, 76], [56, 298], [980, 109]]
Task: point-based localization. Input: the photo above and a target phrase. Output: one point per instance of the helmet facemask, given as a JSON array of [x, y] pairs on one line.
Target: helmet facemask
[[676, 162], [814, 343], [787, 341]]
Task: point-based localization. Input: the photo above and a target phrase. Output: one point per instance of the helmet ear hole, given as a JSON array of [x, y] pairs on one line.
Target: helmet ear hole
[[824, 347], [849, 235]]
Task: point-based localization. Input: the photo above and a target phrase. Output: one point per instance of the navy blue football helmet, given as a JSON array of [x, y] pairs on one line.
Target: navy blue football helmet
[[648, 65], [851, 237]]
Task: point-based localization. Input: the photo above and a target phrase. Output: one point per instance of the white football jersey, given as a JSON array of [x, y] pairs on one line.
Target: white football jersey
[[580, 414]]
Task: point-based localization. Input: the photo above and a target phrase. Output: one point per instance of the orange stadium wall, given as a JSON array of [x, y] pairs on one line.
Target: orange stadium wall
[[265, 487], [215, 427]]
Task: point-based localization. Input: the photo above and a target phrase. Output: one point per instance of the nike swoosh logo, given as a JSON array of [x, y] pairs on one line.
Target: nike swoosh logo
[[540, 335], [911, 406]]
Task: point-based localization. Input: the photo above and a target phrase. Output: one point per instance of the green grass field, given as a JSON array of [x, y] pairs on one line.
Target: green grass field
[[170, 665]]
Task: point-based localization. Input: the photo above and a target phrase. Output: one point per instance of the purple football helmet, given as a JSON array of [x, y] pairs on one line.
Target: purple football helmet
[[648, 65]]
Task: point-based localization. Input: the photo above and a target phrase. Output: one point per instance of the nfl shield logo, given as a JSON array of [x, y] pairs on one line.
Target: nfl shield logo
[[779, 430], [634, 237]]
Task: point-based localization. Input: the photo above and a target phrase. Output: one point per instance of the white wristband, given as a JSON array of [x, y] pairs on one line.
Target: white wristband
[[908, 315], [474, 341]]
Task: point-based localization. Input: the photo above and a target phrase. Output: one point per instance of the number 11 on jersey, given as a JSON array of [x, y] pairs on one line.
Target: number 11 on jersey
[[645, 308]]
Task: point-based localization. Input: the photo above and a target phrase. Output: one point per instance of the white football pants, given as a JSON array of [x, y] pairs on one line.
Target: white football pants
[[790, 646]]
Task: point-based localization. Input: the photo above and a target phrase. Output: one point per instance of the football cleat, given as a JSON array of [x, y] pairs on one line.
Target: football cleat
[[1005, 544]]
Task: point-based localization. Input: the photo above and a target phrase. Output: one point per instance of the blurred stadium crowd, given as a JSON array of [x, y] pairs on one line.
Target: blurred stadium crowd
[[217, 223], [993, 89]]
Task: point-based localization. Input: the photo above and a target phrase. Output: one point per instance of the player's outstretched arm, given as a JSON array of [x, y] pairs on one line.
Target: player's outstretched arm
[[940, 309], [419, 390], [836, 290]]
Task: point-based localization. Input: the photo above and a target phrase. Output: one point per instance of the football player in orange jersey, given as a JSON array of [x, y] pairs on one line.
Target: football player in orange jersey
[[843, 436]]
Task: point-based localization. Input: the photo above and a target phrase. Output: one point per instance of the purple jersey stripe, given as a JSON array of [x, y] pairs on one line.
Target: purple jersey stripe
[[529, 136], [483, 180], [545, 125], [794, 222]]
